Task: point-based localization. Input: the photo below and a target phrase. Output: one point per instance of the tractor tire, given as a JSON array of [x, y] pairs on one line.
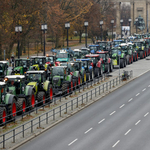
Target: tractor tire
[[50, 93], [121, 63], [65, 88], [41, 97], [111, 67], [12, 109], [79, 81], [3, 115], [21, 106], [31, 101], [141, 54]]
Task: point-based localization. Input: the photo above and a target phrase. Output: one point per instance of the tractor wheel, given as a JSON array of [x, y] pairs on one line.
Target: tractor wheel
[[121, 63], [145, 54], [63, 88], [3, 115], [41, 97], [79, 82], [12, 109], [141, 55], [50, 93], [111, 67], [31, 101], [21, 106]]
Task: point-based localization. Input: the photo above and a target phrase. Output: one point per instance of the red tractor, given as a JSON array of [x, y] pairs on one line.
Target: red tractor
[[106, 61], [96, 64]]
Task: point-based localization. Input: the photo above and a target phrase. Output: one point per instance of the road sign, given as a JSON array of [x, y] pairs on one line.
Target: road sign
[[119, 53]]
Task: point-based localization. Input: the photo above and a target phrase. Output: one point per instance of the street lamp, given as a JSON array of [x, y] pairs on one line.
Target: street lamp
[[67, 26], [18, 29], [136, 21], [121, 21], [86, 25], [101, 23], [112, 22], [44, 28], [130, 25]]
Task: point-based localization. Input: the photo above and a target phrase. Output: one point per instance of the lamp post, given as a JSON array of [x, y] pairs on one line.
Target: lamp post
[[136, 21], [86, 25], [67, 26], [18, 29], [121, 21], [101, 23], [130, 25], [112, 22], [44, 28]]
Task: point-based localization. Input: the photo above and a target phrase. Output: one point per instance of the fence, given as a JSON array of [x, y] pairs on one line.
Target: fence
[[30, 126]]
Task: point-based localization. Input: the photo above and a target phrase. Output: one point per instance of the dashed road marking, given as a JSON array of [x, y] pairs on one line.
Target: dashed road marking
[[116, 143], [137, 94], [144, 89], [72, 142], [101, 121], [146, 114], [122, 106], [127, 132], [88, 131], [137, 122], [112, 113], [130, 99]]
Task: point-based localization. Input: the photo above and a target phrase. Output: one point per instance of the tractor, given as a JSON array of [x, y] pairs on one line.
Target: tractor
[[115, 57], [85, 51], [94, 48], [96, 64], [21, 66], [42, 88], [77, 53], [85, 65], [4, 69], [62, 81], [25, 94], [50, 59], [7, 104], [106, 61]]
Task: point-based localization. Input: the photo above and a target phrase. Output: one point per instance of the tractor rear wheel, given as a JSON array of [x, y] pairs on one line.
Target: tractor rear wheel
[[3, 115], [12, 109], [41, 97], [141, 55], [50, 93], [21, 106], [31, 100]]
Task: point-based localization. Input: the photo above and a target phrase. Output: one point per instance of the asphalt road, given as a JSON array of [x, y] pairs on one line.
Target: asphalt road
[[119, 121]]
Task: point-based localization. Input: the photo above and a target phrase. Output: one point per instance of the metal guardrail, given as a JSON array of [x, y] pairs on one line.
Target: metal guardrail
[[35, 123]]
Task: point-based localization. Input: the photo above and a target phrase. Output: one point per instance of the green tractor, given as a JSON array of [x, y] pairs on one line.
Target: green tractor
[[4, 69], [77, 53], [63, 82], [42, 88], [21, 66], [115, 57], [7, 104], [25, 94]]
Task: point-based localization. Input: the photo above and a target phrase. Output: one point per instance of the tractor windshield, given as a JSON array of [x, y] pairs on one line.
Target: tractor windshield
[[1, 67], [77, 54], [85, 51], [34, 77], [62, 55], [114, 51], [24, 63], [58, 71], [49, 59], [18, 63], [93, 48], [38, 61], [138, 44]]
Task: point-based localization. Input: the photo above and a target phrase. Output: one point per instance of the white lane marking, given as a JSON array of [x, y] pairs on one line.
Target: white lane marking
[[130, 100], [149, 86], [122, 106], [127, 132], [88, 131], [101, 121], [137, 94], [144, 89], [112, 113], [146, 114], [116, 143], [138, 122], [72, 142]]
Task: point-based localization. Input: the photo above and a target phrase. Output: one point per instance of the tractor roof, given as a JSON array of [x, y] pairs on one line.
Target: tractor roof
[[36, 71], [102, 52], [123, 44], [77, 50], [22, 59], [2, 83], [15, 76], [83, 59], [50, 55], [92, 55], [59, 66], [38, 57], [84, 48], [4, 62]]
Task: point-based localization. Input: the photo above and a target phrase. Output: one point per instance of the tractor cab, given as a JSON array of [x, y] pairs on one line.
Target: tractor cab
[[94, 48], [104, 55], [21, 66], [103, 45], [50, 59], [70, 67], [94, 58], [3, 68], [85, 51], [77, 53], [117, 42]]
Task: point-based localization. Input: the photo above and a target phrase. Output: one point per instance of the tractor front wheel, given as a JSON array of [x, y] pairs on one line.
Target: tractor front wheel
[[3, 115], [41, 98], [21, 106]]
